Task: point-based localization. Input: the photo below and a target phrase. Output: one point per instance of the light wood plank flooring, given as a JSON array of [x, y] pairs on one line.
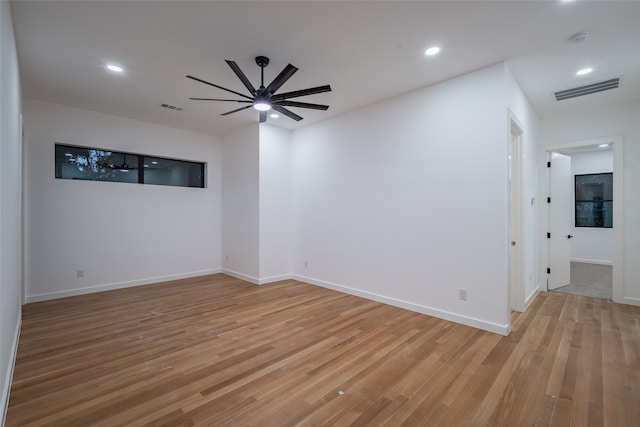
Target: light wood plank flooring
[[215, 350]]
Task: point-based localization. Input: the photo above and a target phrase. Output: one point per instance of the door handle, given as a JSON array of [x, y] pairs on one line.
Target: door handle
[[569, 236]]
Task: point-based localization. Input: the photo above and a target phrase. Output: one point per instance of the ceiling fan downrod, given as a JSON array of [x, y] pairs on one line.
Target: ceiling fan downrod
[[262, 62]]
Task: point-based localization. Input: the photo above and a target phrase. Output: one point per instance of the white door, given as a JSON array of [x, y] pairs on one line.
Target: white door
[[560, 191]]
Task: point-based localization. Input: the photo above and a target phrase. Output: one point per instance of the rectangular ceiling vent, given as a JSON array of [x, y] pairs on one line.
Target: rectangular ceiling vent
[[171, 107], [588, 89]]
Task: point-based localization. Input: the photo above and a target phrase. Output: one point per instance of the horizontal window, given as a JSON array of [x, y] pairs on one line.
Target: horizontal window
[[96, 164]]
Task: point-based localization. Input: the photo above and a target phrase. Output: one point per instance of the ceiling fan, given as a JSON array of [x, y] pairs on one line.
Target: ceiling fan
[[264, 98]]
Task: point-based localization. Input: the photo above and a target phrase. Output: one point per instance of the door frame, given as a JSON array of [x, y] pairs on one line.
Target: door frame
[[618, 217], [516, 274]]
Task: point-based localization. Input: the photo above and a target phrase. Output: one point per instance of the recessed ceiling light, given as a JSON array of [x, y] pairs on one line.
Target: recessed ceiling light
[[115, 68], [274, 116], [603, 145], [432, 51], [584, 71]]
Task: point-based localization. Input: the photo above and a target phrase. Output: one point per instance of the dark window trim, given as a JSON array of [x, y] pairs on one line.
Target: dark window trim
[[140, 165]]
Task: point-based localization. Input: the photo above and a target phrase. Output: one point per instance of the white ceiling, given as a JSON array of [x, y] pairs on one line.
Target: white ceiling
[[366, 51]]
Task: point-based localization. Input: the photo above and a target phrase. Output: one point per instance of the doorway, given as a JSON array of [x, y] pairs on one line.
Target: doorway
[[584, 236]]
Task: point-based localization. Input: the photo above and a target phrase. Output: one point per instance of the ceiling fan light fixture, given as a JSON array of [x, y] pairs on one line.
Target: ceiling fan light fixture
[[115, 68], [432, 51], [262, 105]]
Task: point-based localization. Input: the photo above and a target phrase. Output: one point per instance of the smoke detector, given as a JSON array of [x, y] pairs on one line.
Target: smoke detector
[[578, 38]]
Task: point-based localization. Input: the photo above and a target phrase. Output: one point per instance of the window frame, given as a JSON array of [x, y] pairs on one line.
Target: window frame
[[139, 166], [604, 200]]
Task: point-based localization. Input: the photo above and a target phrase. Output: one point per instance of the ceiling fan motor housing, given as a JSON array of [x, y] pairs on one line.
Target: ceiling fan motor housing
[[262, 61]]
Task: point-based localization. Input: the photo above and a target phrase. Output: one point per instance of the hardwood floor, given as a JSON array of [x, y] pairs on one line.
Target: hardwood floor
[[218, 351]]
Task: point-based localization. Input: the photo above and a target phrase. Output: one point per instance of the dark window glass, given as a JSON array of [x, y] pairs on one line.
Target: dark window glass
[[173, 172], [94, 164], [594, 200], [91, 164]]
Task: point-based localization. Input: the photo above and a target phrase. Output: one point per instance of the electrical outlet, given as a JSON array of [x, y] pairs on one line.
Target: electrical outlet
[[462, 294], [306, 264], [226, 258], [80, 272]]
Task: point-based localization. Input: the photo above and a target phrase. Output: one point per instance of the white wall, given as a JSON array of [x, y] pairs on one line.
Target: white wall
[[240, 204], [526, 118], [600, 123], [10, 204], [275, 203], [256, 204], [120, 234], [405, 201], [593, 245]]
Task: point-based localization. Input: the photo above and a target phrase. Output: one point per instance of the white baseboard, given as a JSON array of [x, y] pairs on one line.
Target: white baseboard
[[256, 280], [531, 297], [442, 314], [242, 276], [630, 301], [120, 285], [591, 261], [6, 387], [272, 279]]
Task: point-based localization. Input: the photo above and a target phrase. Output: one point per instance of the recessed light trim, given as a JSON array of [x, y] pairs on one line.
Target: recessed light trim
[[432, 51], [603, 145], [115, 68], [584, 71]]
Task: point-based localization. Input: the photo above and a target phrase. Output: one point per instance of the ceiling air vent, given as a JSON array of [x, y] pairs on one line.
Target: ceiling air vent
[[171, 107], [587, 89]]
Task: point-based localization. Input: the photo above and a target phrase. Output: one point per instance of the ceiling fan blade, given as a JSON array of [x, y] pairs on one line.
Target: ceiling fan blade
[[284, 75], [219, 87], [286, 103], [287, 113], [263, 116], [215, 99], [236, 110], [245, 81], [303, 92]]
